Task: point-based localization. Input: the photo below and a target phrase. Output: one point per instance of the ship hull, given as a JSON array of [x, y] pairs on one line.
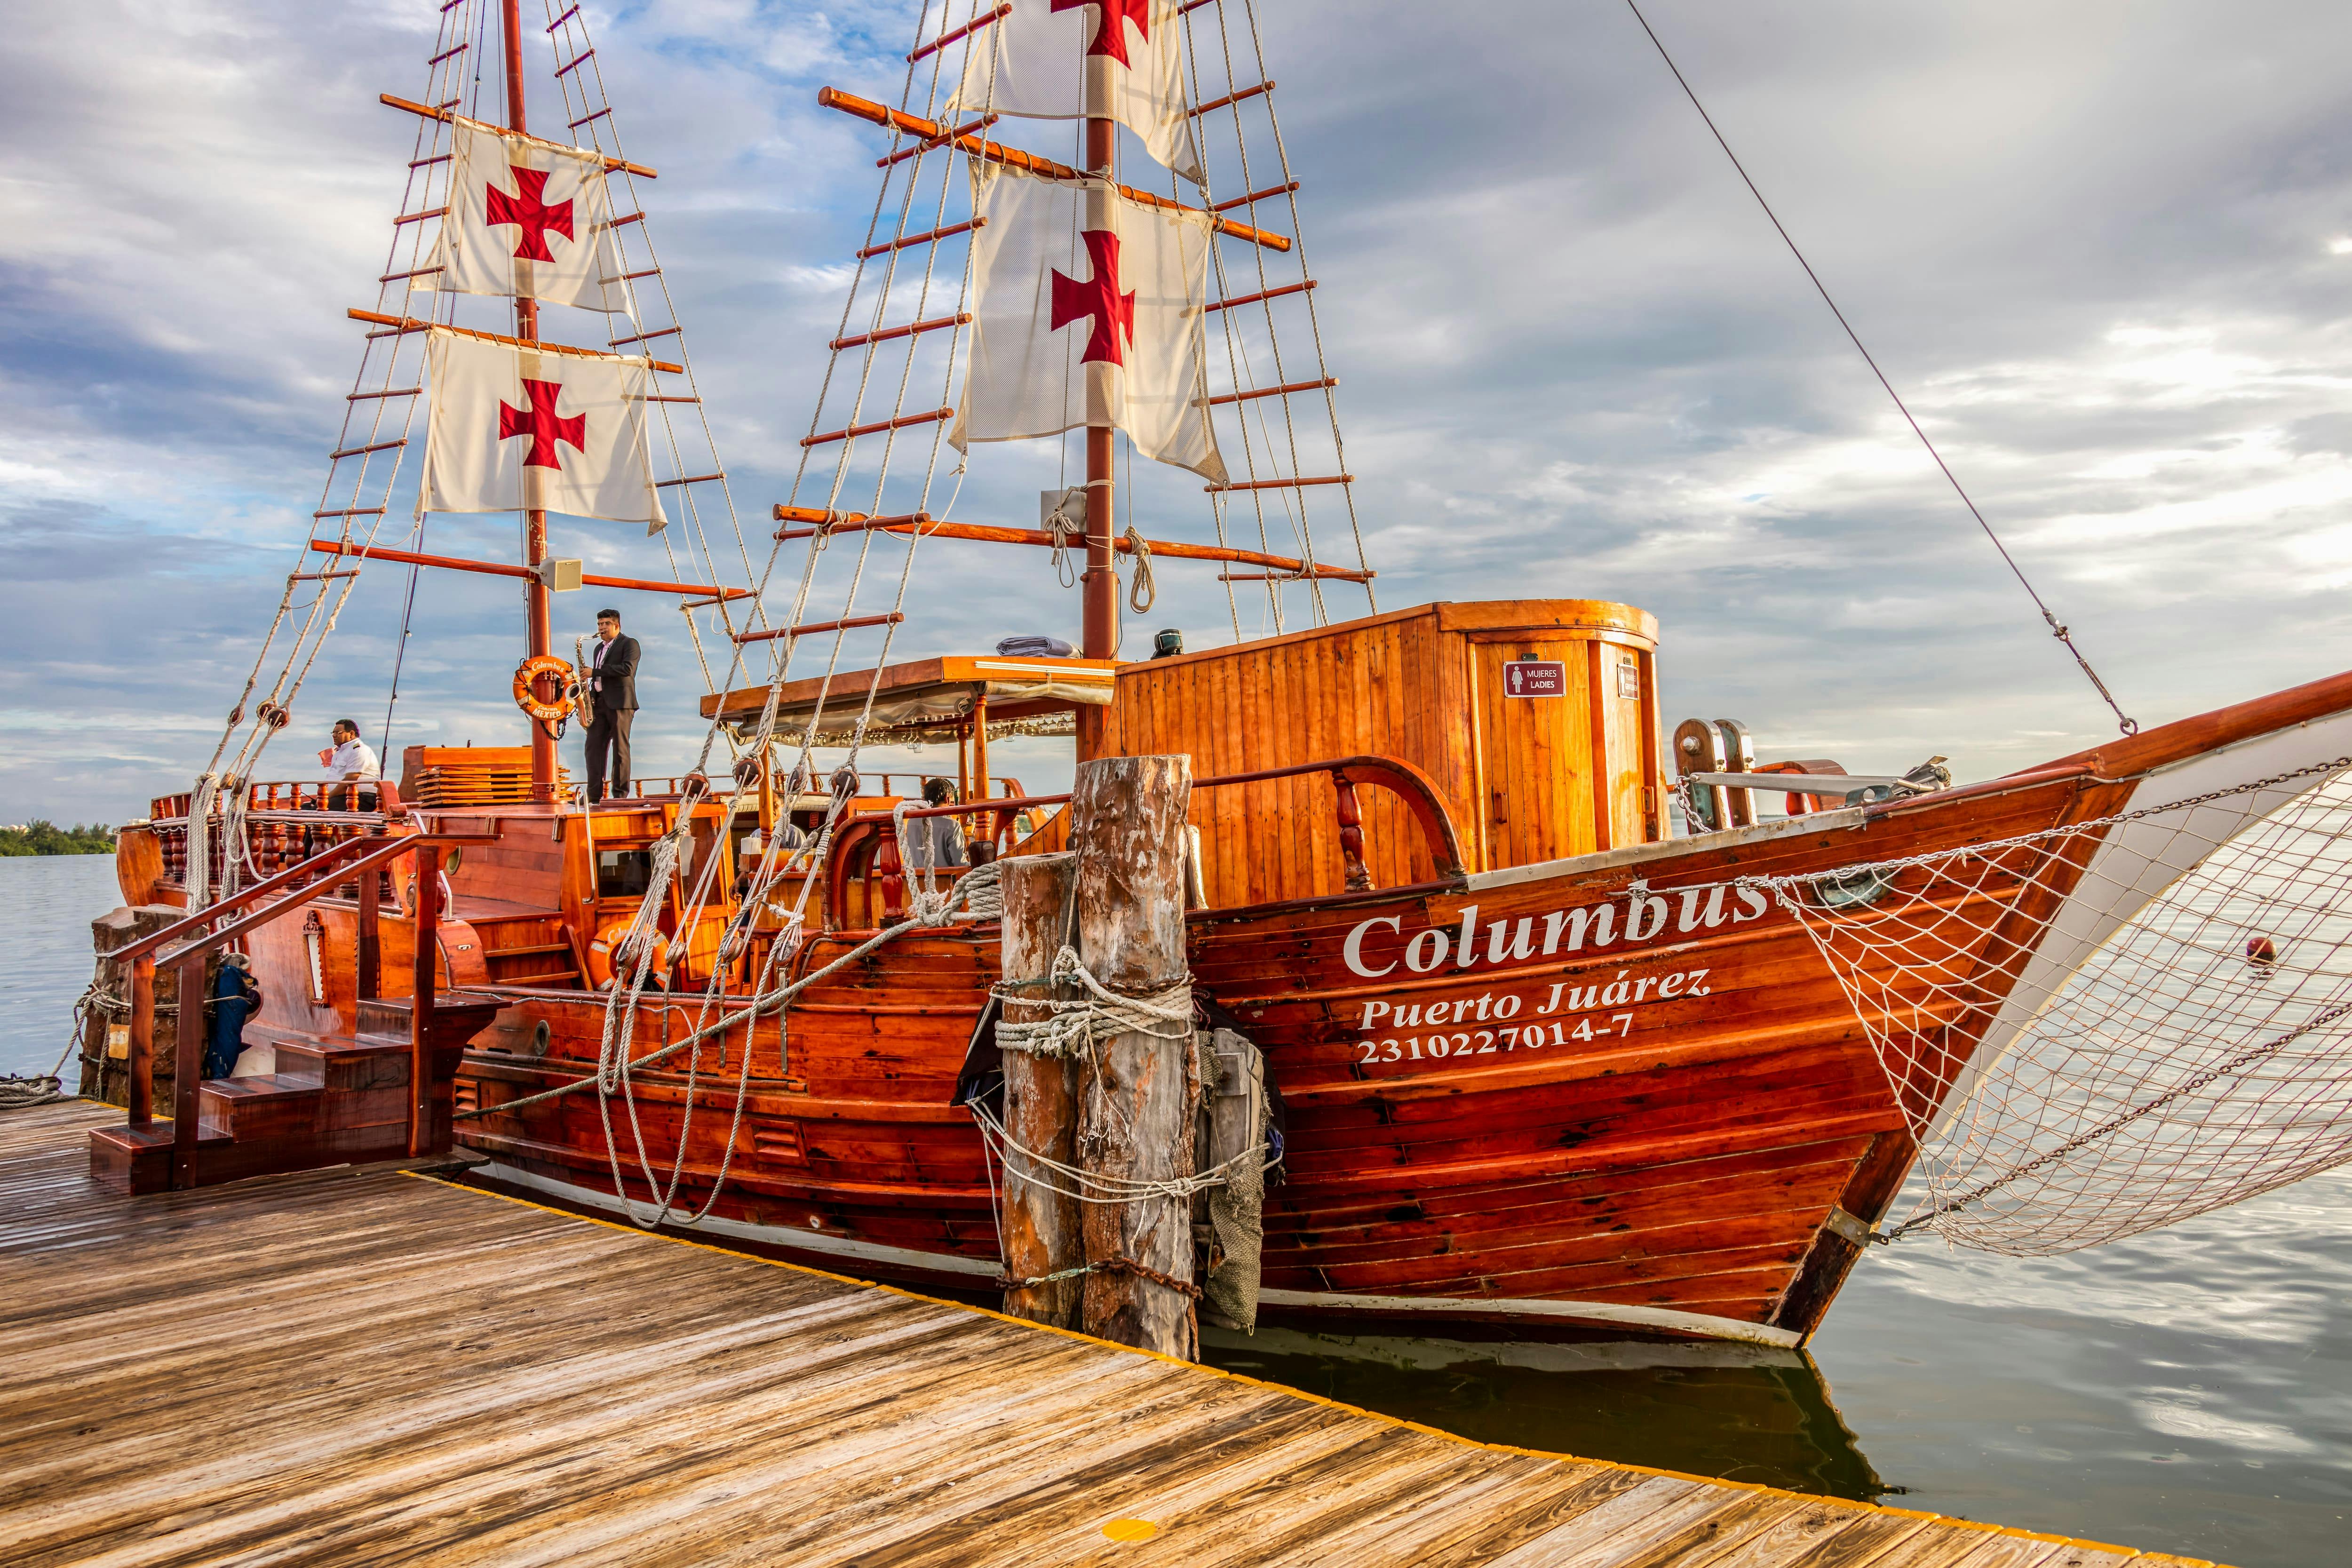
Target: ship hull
[[1681, 1130]]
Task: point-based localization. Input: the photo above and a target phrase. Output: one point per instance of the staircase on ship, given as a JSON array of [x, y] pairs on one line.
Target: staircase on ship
[[328, 1099]]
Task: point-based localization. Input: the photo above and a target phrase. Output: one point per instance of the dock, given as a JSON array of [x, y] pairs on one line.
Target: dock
[[371, 1364]]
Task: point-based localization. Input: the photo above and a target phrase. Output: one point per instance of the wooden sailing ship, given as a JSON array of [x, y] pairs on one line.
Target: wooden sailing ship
[[1546, 1063]]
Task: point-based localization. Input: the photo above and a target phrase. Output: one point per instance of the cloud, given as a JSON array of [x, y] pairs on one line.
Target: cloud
[[2099, 250]]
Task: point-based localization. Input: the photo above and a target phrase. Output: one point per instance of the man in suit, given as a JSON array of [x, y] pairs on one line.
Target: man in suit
[[613, 688]]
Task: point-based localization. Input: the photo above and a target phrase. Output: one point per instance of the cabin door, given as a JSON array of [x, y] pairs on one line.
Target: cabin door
[[1537, 757]]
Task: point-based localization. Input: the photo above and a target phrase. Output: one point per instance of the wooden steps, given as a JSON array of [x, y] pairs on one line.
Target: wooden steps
[[332, 1102]]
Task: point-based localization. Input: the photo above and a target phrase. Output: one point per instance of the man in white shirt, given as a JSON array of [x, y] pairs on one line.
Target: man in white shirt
[[348, 764]]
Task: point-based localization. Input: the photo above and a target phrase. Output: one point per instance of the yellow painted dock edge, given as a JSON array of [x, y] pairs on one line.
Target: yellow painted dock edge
[[1312, 1399]]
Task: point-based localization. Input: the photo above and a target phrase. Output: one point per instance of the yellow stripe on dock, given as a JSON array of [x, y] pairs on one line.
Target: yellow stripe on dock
[[356, 1365]]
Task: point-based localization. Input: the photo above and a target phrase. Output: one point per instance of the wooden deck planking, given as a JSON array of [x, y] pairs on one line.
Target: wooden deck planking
[[354, 1366]]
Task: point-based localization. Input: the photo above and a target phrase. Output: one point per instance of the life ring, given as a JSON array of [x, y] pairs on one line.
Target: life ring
[[607, 950], [567, 685]]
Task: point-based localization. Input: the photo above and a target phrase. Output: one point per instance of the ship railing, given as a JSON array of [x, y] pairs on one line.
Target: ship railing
[[866, 850], [285, 822], [677, 786], [186, 945]]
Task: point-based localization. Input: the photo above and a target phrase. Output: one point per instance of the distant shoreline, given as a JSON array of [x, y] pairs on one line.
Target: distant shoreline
[[40, 836]]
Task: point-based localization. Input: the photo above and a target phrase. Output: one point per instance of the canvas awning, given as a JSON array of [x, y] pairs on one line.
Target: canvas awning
[[929, 698]]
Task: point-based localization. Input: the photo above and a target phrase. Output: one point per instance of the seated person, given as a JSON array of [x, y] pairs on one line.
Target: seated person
[[349, 762], [935, 843], [754, 850]]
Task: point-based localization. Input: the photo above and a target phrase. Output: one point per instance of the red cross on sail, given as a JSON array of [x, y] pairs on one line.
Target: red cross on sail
[[1058, 59], [541, 424], [1088, 310], [533, 217], [1098, 300], [1115, 17], [517, 426], [530, 219]]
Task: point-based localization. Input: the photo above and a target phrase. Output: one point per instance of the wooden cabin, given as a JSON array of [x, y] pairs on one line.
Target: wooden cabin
[[1535, 722]]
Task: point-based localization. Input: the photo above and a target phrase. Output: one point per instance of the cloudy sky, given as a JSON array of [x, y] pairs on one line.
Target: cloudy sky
[[2103, 248]]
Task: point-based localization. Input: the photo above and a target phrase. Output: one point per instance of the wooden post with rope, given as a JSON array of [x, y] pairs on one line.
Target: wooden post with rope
[[1138, 1090], [1040, 1232]]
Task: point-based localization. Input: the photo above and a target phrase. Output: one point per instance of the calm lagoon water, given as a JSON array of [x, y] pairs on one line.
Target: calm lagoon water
[[2189, 1391]]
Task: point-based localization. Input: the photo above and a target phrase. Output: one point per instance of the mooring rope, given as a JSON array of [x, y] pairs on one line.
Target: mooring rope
[[1076, 1023]]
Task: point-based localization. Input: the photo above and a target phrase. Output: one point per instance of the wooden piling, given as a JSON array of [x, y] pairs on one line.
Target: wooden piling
[[1138, 1091], [1040, 1232]]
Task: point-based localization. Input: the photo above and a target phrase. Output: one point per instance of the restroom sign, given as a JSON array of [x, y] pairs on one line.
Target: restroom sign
[[1535, 678]]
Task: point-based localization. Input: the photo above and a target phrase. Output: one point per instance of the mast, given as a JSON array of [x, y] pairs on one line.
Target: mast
[[1099, 638], [537, 615]]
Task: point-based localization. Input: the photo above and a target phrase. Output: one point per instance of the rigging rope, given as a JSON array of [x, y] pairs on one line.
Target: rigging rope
[[2124, 720]]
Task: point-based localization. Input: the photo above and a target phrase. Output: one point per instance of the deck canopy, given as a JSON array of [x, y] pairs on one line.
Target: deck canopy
[[932, 699]]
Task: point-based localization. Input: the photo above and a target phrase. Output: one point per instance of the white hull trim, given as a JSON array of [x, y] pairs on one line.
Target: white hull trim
[[846, 1248], [1531, 1307], [1840, 819], [768, 1235]]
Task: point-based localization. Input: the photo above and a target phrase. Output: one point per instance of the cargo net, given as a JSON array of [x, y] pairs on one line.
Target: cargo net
[[2089, 1044]]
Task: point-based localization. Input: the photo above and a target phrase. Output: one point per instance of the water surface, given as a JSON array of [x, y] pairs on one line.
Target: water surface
[[46, 902], [2189, 1391]]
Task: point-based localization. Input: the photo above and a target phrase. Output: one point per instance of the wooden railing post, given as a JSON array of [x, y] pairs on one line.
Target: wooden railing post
[[371, 944], [142, 1041], [420, 1017], [892, 875], [187, 1067], [1352, 834]]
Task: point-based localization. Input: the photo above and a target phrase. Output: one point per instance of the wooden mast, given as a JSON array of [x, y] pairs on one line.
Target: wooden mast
[[537, 612], [1099, 586]]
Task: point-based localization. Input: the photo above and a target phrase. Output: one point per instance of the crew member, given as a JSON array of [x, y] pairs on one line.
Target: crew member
[[236, 998], [934, 842], [348, 761], [612, 691]]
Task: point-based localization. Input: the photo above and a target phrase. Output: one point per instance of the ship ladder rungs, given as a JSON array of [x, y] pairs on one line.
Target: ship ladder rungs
[[812, 628], [899, 424], [1283, 390], [923, 239], [944, 39], [1216, 104], [1283, 484], [1261, 294], [960, 318], [1271, 191]]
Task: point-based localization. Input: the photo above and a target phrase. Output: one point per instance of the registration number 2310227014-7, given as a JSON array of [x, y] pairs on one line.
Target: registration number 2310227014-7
[[1487, 1042]]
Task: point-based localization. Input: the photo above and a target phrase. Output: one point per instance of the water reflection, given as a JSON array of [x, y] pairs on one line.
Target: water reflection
[[1743, 1413]]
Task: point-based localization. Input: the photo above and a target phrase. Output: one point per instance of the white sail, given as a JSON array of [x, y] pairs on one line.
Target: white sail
[[527, 219], [1088, 310], [513, 427], [1062, 60]]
